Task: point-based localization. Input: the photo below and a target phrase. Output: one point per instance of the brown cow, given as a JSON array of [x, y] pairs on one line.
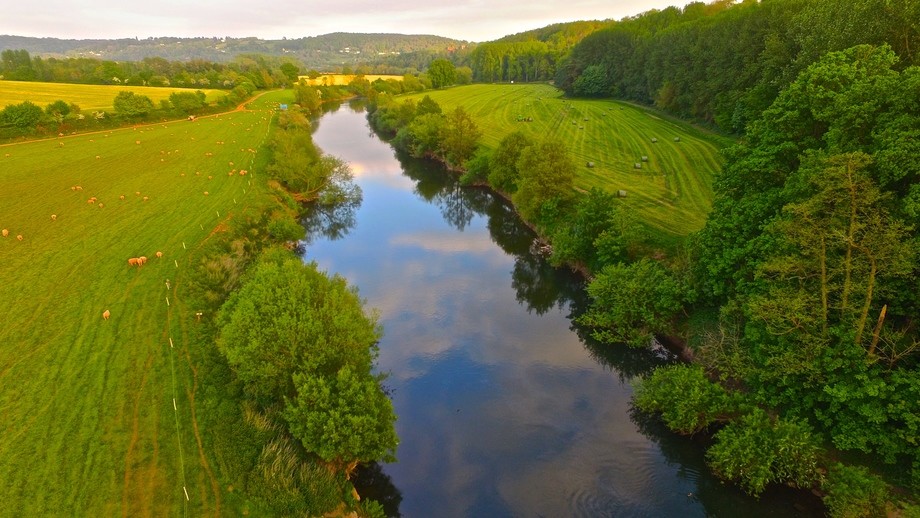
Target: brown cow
[[106, 315], [5, 232], [19, 237], [53, 217], [159, 254], [141, 260], [132, 261]]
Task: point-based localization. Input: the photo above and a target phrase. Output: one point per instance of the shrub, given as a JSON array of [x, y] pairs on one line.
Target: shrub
[[686, 400], [757, 450], [854, 492]]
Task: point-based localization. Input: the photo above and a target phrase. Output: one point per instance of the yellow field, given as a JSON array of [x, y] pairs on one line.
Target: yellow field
[[344, 79], [87, 97]]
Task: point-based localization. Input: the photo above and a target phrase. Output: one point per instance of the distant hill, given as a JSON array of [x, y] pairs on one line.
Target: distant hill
[[314, 51]]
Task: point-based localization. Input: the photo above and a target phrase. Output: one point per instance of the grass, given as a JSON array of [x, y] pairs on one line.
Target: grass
[[671, 193], [87, 97], [87, 405]]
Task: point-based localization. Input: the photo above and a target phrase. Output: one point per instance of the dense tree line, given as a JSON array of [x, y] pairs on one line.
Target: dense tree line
[[723, 63], [259, 70], [528, 56]]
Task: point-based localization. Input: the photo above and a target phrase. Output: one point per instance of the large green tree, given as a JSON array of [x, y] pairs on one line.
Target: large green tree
[[442, 73], [131, 105], [546, 176]]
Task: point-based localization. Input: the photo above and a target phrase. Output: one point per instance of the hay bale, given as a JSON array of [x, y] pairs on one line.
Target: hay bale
[[621, 193], [676, 139], [590, 164], [637, 165], [654, 140], [645, 158]]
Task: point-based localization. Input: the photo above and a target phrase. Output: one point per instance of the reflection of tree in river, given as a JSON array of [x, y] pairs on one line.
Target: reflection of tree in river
[[331, 221], [371, 482]]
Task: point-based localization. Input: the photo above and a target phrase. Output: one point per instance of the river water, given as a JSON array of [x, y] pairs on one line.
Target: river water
[[505, 407]]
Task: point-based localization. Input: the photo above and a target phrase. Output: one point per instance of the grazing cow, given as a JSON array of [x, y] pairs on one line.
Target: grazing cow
[[205, 193], [137, 141], [101, 205], [146, 198], [142, 260], [138, 193], [73, 187], [5, 232], [132, 261], [19, 237], [98, 157], [106, 315], [159, 255], [91, 200], [79, 188], [121, 197], [53, 217]]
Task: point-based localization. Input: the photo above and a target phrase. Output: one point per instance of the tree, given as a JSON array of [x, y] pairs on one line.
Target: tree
[[503, 169], [459, 137], [22, 115], [188, 102], [630, 303], [442, 73], [290, 71], [345, 418], [546, 175], [131, 105], [591, 83], [289, 320]]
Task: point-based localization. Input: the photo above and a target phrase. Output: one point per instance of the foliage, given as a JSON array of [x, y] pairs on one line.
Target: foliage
[[131, 105], [591, 83], [503, 165], [851, 492], [545, 175], [599, 232], [629, 303], [459, 136], [687, 401], [757, 450], [289, 318], [188, 102], [22, 115], [442, 73], [345, 418]]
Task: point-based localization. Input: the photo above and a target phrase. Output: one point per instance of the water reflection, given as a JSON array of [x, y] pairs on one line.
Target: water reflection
[[506, 408]]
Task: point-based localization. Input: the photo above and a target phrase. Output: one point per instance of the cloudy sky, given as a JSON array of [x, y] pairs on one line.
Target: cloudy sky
[[474, 20]]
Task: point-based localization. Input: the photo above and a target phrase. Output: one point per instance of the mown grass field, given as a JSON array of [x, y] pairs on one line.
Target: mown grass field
[[671, 192], [87, 97], [344, 79], [97, 417]]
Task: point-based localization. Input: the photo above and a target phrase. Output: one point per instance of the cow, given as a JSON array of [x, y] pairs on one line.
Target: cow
[[106, 315], [159, 254], [53, 217], [132, 261]]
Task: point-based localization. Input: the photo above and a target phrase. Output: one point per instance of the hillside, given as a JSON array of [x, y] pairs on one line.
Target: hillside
[[314, 51]]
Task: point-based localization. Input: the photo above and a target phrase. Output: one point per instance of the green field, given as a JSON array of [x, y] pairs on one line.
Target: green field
[[672, 192], [98, 416], [87, 97]]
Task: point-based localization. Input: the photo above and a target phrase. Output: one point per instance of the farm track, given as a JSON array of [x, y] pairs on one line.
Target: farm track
[[87, 417]]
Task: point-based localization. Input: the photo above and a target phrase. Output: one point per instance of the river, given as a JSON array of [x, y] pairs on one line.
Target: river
[[505, 407]]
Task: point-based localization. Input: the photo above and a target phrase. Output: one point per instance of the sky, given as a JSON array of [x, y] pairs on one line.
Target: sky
[[473, 20]]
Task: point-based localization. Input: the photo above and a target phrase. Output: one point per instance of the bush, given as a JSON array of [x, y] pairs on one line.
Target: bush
[[757, 450], [854, 492], [686, 400]]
